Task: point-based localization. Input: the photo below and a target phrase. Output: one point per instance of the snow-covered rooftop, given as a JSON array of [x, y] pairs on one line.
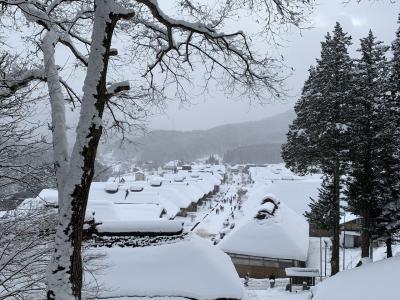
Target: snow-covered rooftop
[[105, 211], [140, 226], [302, 272], [50, 196], [283, 235], [295, 191], [191, 268]]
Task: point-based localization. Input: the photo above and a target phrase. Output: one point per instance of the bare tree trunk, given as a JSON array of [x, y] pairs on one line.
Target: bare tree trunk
[[389, 252], [59, 129], [65, 279], [336, 228]]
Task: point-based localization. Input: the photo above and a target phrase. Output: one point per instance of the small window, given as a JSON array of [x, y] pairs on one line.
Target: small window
[[263, 214]]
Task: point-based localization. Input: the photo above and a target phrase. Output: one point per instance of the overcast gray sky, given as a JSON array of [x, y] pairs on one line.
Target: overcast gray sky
[[209, 110]]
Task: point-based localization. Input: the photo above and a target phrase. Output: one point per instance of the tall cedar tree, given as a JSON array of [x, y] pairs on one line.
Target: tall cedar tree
[[322, 212], [388, 223], [364, 180], [318, 137]]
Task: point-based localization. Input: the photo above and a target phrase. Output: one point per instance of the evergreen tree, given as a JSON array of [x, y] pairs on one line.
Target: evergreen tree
[[388, 223], [322, 213], [318, 138], [365, 178]]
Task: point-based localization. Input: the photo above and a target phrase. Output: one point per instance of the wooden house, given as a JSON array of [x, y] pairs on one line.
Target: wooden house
[[273, 239]]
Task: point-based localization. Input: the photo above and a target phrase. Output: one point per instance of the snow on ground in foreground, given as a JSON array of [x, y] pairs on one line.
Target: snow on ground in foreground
[[378, 280], [259, 289], [275, 294], [190, 268]]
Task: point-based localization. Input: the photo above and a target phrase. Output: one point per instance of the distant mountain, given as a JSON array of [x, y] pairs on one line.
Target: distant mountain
[[256, 154], [166, 145]]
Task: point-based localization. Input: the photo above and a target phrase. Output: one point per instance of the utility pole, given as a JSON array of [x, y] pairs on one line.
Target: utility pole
[[320, 258], [326, 249], [371, 249], [344, 241]]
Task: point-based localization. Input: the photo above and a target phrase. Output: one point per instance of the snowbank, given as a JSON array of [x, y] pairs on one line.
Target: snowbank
[[190, 268], [378, 280]]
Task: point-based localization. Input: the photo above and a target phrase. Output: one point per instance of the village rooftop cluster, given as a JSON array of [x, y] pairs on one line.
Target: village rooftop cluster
[[205, 231]]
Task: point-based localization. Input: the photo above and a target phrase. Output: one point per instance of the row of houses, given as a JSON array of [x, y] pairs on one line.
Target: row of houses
[[126, 206]]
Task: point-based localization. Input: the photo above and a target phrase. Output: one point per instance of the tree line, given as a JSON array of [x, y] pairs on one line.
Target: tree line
[[347, 127]]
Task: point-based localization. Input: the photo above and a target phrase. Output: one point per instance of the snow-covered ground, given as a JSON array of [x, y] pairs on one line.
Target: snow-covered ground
[[378, 280], [259, 289], [276, 294]]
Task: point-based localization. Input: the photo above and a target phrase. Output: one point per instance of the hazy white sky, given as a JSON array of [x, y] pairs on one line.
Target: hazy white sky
[[213, 109]]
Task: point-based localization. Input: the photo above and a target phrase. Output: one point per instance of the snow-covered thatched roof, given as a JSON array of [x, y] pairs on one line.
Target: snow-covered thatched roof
[[141, 226], [282, 235], [105, 211], [190, 268]]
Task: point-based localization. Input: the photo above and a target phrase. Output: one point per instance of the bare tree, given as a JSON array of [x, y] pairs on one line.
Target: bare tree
[[26, 246], [22, 165], [25, 250], [163, 50]]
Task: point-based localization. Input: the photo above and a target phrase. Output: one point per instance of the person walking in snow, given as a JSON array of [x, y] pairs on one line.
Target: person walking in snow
[[272, 277], [246, 279]]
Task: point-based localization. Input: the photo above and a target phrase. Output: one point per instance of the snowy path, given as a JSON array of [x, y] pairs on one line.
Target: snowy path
[[275, 294], [259, 289], [208, 220], [213, 206]]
